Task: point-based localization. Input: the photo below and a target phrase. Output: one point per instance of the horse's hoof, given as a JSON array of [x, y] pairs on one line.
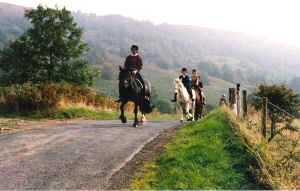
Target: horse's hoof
[[123, 119], [135, 125], [190, 119]]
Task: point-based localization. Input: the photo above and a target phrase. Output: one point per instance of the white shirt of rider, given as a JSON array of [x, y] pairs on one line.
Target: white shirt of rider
[[136, 54]]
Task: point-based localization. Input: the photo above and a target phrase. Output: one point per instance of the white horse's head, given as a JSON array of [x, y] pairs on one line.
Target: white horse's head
[[183, 95]]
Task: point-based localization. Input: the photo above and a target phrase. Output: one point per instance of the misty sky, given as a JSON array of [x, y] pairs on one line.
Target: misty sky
[[274, 19]]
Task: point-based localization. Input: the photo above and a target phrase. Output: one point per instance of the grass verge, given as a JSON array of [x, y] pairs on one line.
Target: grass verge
[[204, 155], [279, 158], [82, 112]]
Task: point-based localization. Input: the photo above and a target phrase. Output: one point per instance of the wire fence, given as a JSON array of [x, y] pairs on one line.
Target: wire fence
[[279, 150]]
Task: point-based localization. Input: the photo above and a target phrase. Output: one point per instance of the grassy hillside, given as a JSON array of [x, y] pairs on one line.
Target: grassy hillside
[[223, 56], [204, 155]]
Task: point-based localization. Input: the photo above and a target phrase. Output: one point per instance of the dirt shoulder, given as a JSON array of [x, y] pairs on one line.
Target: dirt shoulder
[[123, 178]]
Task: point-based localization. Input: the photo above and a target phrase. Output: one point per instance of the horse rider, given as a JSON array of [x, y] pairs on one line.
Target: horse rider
[[187, 82], [197, 84], [134, 63], [223, 100]]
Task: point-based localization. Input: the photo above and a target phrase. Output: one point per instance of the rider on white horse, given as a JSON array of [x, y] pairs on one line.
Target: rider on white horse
[[187, 82], [185, 96]]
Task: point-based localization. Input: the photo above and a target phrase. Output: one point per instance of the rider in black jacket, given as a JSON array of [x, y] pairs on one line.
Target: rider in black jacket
[[134, 63], [187, 82]]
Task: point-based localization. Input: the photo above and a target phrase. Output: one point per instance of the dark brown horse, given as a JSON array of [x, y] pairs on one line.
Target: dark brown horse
[[131, 90]]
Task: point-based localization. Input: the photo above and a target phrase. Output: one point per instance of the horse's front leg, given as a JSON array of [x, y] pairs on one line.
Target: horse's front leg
[[122, 116], [136, 122], [181, 111], [143, 118], [193, 109], [188, 115]]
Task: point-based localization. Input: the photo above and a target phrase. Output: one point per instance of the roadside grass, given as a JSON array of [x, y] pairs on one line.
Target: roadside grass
[[203, 155], [279, 158], [83, 112]]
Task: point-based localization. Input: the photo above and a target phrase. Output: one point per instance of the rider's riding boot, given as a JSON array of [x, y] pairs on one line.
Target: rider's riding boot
[[175, 98]]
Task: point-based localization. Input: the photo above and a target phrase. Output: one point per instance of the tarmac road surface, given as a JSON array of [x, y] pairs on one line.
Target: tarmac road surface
[[72, 156]]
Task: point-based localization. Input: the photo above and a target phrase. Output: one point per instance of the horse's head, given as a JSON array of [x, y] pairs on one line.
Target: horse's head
[[179, 83], [182, 91], [124, 73]]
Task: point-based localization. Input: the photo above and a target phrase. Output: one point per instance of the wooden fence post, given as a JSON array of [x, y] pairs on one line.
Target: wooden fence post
[[238, 103], [273, 128], [265, 116], [245, 104], [232, 97]]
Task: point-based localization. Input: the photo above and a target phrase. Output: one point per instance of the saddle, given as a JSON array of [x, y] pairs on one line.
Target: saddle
[[136, 84]]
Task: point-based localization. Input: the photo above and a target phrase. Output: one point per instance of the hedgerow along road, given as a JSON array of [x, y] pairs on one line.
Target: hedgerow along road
[[72, 156]]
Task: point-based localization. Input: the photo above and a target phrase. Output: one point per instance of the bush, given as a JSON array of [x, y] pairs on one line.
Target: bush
[[280, 95], [46, 97]]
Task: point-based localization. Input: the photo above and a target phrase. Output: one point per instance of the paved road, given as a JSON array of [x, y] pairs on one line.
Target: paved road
[[71, 156]]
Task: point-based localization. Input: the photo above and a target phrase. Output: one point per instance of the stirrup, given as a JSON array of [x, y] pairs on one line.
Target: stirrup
[[140, 83]]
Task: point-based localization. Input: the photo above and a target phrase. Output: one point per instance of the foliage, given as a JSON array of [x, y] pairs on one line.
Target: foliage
[[46, 97], [49, 51], [279, 158], [204, 155], [281, 96]]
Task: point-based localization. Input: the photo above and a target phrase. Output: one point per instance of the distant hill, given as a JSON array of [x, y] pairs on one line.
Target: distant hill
[[225, 57]]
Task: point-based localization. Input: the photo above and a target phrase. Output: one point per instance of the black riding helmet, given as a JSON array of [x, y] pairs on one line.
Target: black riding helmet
[[134, 46]]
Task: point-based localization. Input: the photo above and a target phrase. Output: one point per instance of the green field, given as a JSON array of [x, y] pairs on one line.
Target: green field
[[203, 155]]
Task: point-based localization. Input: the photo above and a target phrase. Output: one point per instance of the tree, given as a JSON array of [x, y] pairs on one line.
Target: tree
[[50, 51], [281, 96]]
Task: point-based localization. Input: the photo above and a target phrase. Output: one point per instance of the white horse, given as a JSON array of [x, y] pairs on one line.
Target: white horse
[[185, 104]]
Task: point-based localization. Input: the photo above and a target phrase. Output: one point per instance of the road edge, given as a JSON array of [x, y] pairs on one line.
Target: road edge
[[166, 134]]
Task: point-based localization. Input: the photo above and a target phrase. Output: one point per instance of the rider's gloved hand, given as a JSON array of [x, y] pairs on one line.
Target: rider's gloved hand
[[134, 72]]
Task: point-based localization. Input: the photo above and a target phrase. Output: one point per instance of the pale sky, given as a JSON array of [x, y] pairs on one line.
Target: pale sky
[[275, 19]]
